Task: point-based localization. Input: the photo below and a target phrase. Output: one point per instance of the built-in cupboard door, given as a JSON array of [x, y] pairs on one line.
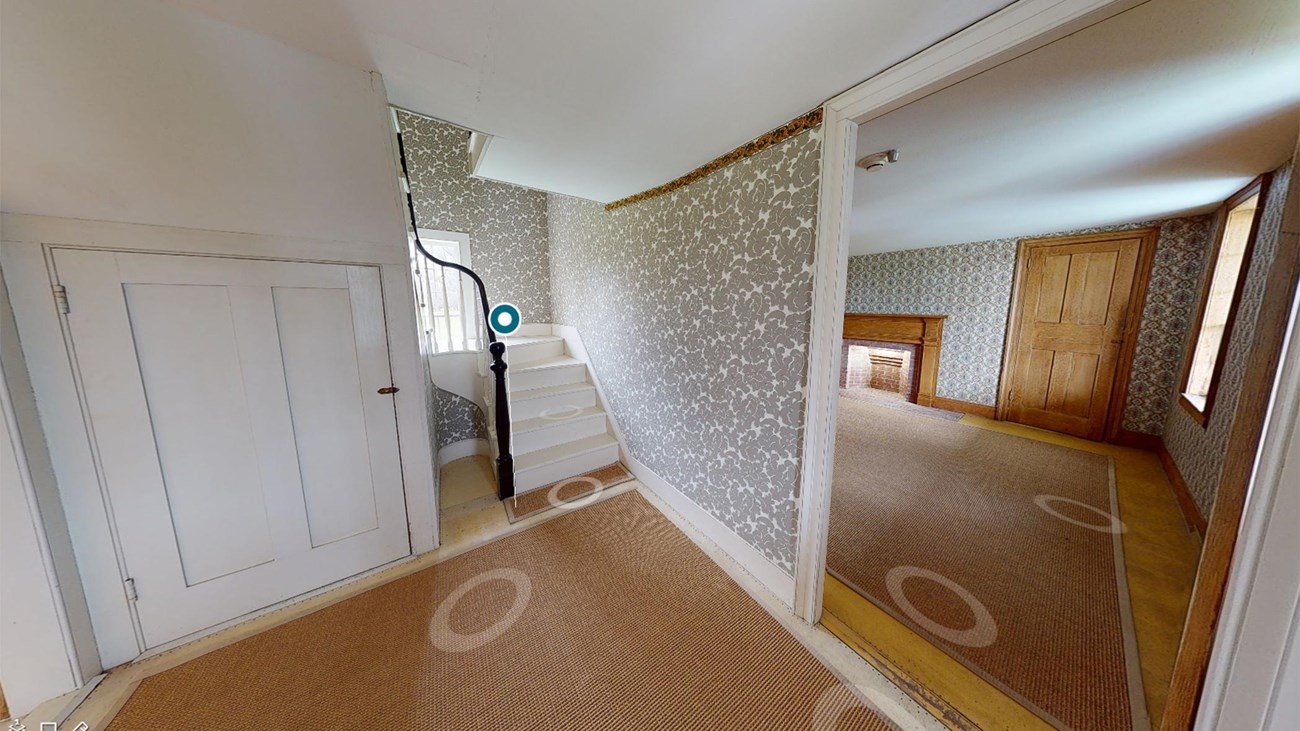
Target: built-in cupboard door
[[247, 454]]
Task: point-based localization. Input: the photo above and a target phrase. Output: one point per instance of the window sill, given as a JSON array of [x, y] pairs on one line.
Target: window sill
[[1199, 414]]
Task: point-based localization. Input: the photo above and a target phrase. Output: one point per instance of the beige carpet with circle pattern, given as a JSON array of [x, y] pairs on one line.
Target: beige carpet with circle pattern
[[1005, 552], [607, 617]]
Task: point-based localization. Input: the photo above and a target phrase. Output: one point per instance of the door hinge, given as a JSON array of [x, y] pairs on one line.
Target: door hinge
[[131, 593], [61, 299]]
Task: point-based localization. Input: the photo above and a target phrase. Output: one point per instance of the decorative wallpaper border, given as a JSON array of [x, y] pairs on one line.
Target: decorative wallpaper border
[[753, 147]]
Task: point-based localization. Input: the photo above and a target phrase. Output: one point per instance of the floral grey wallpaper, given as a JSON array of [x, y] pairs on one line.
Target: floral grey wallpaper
[[971, 283], [506, 223], [695, 309], [1199, 451], [457, 418]]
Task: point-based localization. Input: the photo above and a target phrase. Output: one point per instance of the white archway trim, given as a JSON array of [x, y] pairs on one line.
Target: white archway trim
[[1013, 31]]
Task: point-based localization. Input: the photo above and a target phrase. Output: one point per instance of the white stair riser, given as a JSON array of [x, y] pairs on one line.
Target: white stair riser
[[517, 355], [558, 376], [531, 479], [535, 407], [560, 432]]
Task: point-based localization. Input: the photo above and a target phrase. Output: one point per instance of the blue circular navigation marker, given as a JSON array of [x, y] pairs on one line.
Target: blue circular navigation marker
[[504, 318]]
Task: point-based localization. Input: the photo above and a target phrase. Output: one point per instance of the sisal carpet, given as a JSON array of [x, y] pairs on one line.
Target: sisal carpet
[[874, 396], [564, 492], [607, 617], [998, 549]]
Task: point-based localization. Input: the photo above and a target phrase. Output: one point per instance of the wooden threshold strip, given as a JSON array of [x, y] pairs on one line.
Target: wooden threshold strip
[[950, 691]]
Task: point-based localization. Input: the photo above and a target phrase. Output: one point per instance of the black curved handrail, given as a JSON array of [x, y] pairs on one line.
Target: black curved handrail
[[501, 405]]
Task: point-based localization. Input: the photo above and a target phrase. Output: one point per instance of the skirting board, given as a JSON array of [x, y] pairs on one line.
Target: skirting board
[[768, 574], [1155, 443], [1191, 512], [460, 450], [964, 407]]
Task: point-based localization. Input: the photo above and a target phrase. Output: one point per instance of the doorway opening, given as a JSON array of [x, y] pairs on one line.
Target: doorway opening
[[915, 237]]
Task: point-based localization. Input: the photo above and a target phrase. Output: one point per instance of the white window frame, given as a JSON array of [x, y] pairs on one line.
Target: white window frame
[[471, 339]]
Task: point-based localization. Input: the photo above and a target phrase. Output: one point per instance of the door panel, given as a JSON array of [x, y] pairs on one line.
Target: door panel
[[1056, 271], [1070, 324], [316, 328], [191, 366], [1087, 298], [245, 451]]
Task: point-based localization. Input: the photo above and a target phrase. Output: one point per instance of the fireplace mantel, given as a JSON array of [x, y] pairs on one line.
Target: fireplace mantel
[[925, 331]]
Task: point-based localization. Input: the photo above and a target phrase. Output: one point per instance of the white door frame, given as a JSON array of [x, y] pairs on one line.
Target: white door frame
[[25, 255], [42, 605], [1013, 31]]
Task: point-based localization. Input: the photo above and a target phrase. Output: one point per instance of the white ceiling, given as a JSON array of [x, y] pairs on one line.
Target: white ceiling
[[604, 99], [1164, 110]]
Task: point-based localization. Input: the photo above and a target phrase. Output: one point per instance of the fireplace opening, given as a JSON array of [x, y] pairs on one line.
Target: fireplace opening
[[883, 369]]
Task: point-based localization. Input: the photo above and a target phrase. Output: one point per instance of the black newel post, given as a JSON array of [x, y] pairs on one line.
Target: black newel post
[[505, 461]]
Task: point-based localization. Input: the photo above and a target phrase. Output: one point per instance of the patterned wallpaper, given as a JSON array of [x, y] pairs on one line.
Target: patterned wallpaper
[[456, 418], [695, 310], [1199, 451], [1166, 319], [506, 223], [971, 283]]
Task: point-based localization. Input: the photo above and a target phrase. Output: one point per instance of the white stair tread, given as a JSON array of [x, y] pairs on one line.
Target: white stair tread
[[559, 361], [562, 451], [566, 415], [545, 391], [529, 339]]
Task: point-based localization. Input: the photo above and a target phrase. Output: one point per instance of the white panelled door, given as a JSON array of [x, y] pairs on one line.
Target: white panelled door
[[247, 453]]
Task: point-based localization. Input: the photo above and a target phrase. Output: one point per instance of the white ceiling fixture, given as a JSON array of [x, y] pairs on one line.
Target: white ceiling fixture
[[877, 160], [1163, 110], [604, 99]]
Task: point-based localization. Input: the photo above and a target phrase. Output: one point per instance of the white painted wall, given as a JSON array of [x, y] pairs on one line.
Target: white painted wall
[[459, 374], [138, 112], [134, 124]]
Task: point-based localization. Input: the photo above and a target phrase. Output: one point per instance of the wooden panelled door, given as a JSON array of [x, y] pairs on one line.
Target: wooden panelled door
[[1074, 316]]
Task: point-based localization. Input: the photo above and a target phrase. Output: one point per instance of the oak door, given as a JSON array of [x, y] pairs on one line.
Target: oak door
[[245, 451], [1070, 322]]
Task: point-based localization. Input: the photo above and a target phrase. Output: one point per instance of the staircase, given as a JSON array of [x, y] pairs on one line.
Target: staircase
[[559, 428]]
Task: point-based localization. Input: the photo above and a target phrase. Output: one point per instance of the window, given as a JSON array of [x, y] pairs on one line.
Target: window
[[1238, 221], [446, 301]]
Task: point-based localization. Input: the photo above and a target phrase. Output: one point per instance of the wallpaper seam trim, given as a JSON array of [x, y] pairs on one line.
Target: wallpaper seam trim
[[753, 147]]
